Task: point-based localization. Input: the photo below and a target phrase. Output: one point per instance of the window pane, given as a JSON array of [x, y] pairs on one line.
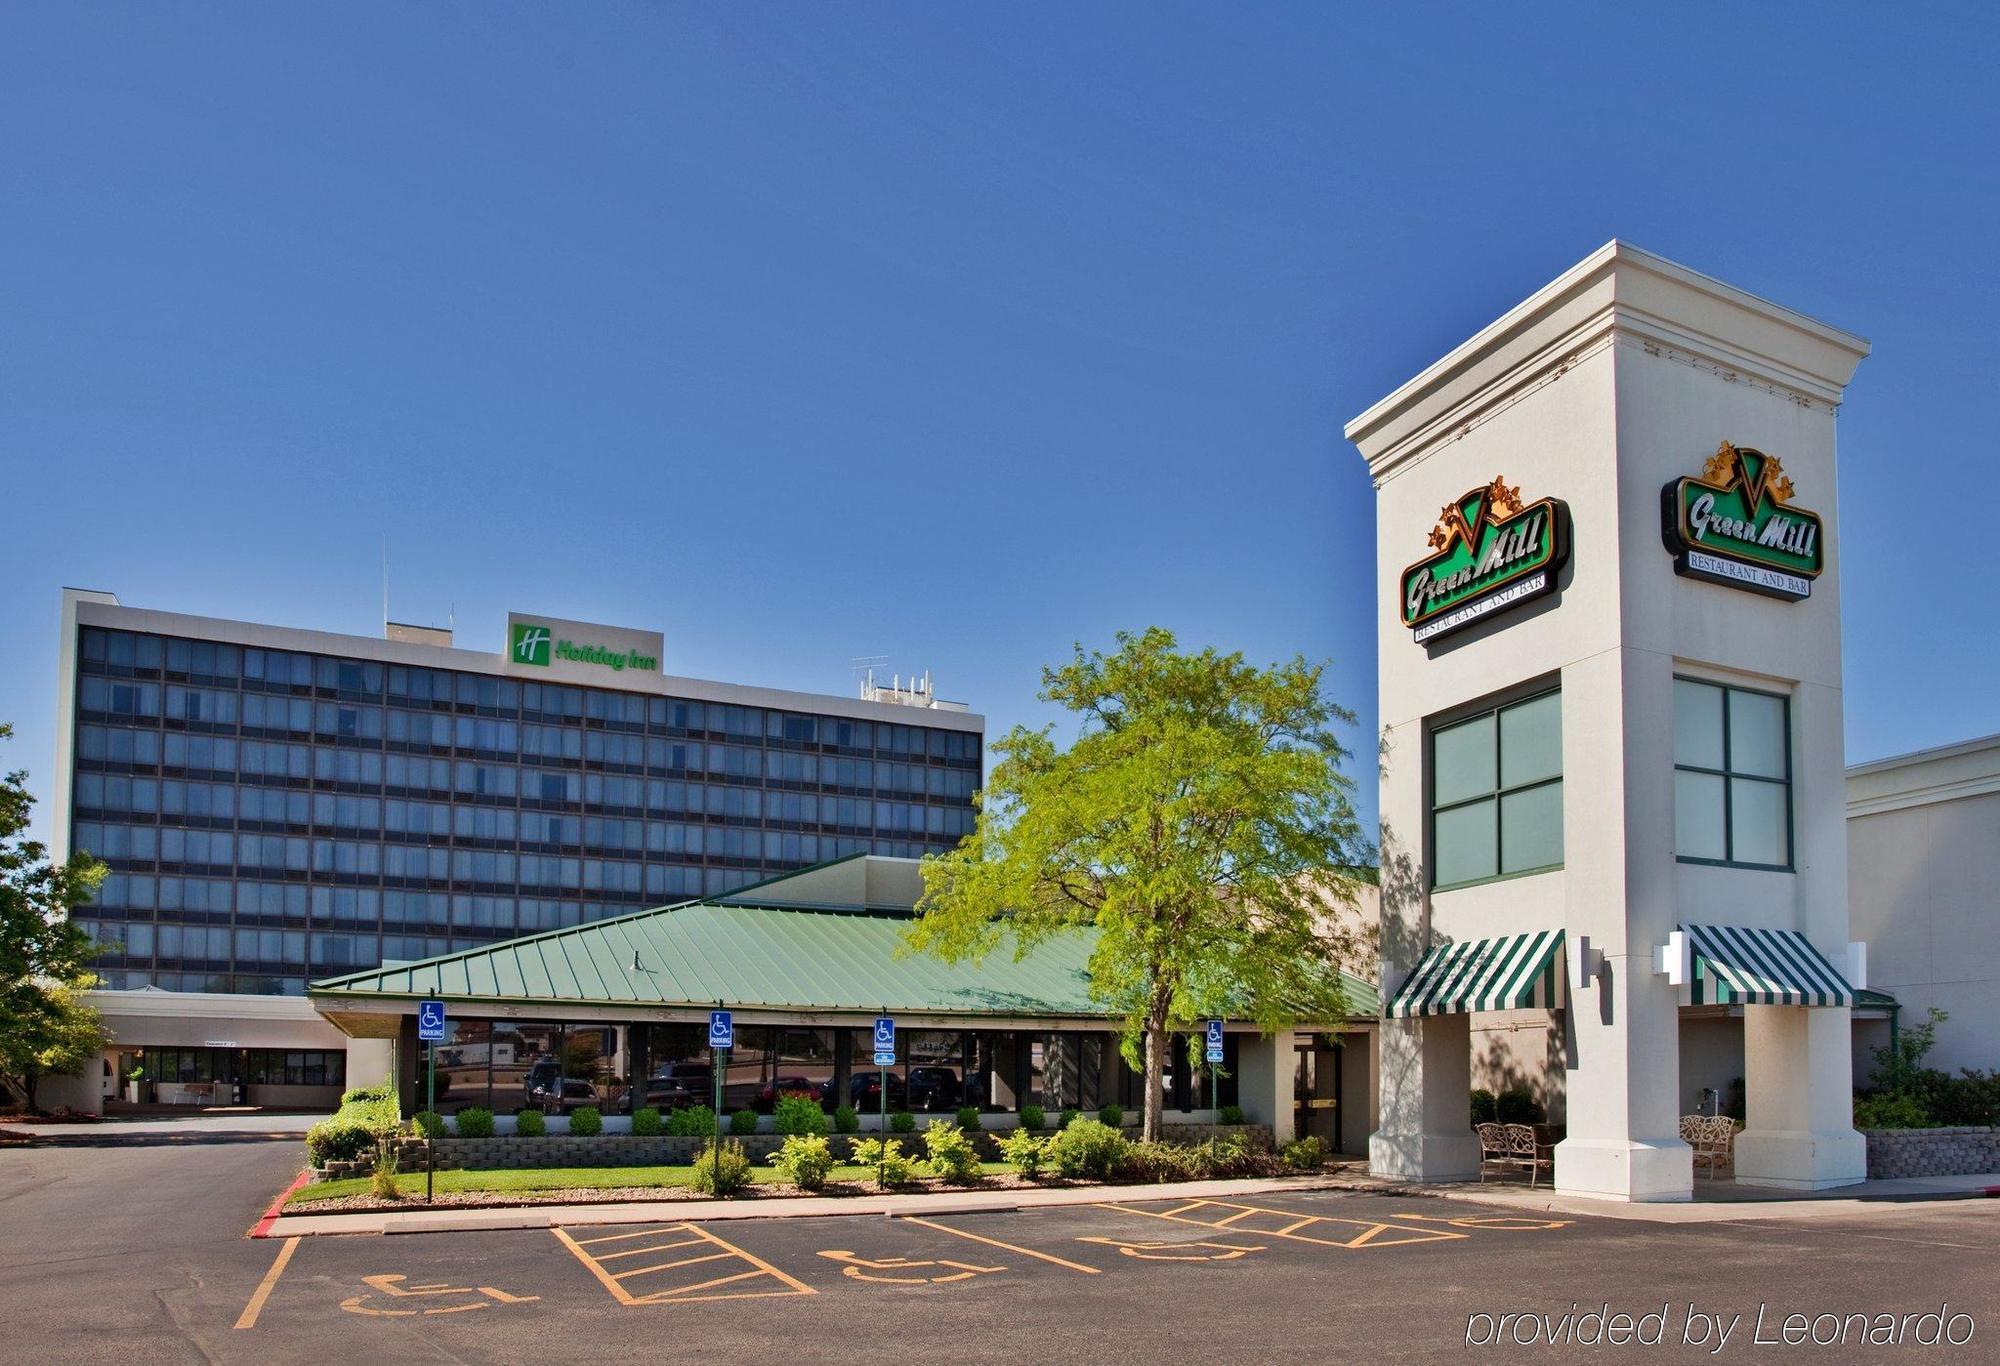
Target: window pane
[[1466, 844], [1697, 724], [1531, 746], [1463, 755], [1531, 828], [1756, 734], [1757, 822], [1698, 816]]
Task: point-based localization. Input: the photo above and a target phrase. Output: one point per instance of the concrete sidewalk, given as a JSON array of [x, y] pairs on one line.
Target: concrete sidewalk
[[1715, 1202], [188, 1126], [444, 1219]]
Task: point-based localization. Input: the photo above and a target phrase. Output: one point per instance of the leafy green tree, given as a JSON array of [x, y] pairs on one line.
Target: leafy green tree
[[44, 1025], [1200, 822]]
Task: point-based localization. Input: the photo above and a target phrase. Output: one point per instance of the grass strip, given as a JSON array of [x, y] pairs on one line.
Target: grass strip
[[515, 1180]]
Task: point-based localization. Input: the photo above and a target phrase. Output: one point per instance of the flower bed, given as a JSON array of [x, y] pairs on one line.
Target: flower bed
[[513, 1152]]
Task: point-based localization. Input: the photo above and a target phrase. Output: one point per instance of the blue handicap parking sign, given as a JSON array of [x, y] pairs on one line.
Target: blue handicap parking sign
[[885, 1033], [721, 1029], [430, 1021], [1214, 1041]]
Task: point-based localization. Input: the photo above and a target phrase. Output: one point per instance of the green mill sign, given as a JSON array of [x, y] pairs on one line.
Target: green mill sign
[[1491, 552], [534, 644], [1736, 525]]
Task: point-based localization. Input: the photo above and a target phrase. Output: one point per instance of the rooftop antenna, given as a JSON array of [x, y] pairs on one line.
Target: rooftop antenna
[[863, 668], [385, 583]]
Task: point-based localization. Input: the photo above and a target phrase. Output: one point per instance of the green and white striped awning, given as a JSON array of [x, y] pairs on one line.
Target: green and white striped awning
[[1513, 972], [1737, 966]]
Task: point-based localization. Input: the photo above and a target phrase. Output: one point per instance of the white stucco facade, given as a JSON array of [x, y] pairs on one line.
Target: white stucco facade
[[1622, 375]]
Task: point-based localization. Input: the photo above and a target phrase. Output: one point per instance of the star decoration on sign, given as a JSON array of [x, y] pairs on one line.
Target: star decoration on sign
[[1502, 501]]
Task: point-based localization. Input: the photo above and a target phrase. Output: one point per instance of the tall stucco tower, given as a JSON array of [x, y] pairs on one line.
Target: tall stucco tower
[[1610, 688]]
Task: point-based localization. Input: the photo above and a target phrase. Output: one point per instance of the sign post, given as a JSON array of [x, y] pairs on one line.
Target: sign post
[[721, 1038], [430, 1029], [885, 1058], [1213, 1052]]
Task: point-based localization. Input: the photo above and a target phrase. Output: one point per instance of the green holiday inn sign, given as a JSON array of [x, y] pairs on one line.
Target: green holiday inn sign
[[1736, 525], [1490, 552], [535, 644]]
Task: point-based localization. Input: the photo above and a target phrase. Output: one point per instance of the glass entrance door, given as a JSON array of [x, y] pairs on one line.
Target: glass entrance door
[[1316, 1091]]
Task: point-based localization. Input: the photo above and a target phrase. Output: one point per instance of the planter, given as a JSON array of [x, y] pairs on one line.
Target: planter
[[135, 1092]]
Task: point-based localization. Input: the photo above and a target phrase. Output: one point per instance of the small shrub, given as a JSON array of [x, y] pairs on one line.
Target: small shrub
[[1889, 1111], [383, 1181], [473, 1122], [693, 1121], [358, 1094], [743, 1122], [1089, 1149], [847, 1120], [1304, 1154], [902, 1121], [586, 1121], [968, 1118], [1111, 1116], [337, 1140], [1032, 1117], [722, 1169], [646, 1122], [1231, 1114], [804, 1160], [1484, 1109], [798, 1113], [1067, 1117], [430, 1124], [1517, 1105], [1026, 1150], [1157, 1162], [530, 1124], [950, 1152], [886, 1156]]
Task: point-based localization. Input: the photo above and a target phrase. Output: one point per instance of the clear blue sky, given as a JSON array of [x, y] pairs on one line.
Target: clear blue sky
[[951, 333]]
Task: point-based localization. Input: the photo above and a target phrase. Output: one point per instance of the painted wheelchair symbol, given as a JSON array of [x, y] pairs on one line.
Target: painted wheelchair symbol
[[395, 1288], [862, 1269]]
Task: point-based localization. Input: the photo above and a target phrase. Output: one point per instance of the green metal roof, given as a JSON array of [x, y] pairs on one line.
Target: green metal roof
[[753, 957]]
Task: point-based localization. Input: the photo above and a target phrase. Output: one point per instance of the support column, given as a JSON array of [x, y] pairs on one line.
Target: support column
[[1425, 1133], [1798, 1087], [1622, 1088], [1264, 1080]]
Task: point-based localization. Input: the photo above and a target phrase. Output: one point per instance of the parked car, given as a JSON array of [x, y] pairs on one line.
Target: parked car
[[934, 1088], [676, 1086], [864, 1091], [546, 1089], [768, 1093]]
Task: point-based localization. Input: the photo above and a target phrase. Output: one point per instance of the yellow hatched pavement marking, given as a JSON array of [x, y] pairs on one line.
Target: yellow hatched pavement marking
[[681, 1236], [1005, 1247], [1372, 1234]]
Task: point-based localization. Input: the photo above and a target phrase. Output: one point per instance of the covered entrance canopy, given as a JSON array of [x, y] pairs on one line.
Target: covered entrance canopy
[[1738, 966], [1511, 972]]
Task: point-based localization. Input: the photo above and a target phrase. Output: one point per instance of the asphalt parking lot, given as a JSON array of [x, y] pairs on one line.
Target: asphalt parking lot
[[123, 1254]]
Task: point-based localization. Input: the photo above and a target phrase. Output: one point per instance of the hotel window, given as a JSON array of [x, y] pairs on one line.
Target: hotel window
[[1496, 793], [1732, 776]]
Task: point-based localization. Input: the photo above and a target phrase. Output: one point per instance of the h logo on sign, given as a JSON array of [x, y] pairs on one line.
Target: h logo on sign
[[530, 644]]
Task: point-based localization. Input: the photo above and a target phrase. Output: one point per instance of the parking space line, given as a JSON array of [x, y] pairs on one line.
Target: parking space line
[[642, 1251], [683, 1236], [669, 1266], [1009, 1247], [1372, 1233], [248, 1318]]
